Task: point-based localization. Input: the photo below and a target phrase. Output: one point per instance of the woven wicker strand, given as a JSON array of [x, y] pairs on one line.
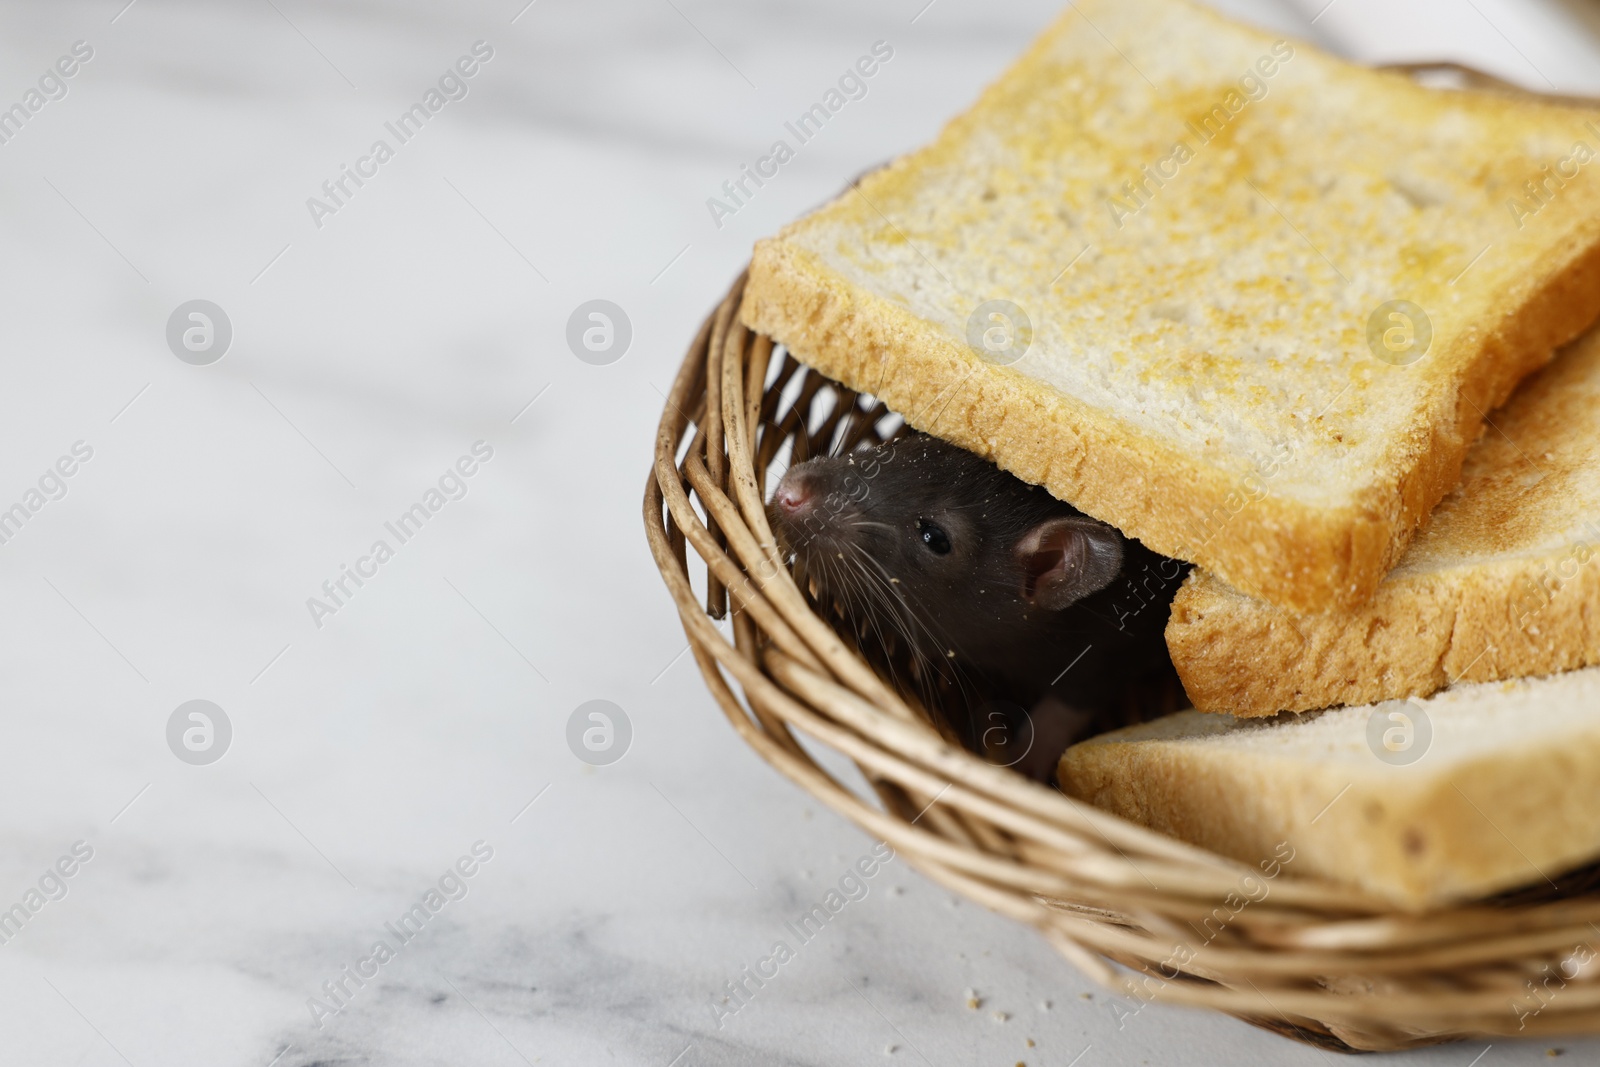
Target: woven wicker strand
[[1151, 918]]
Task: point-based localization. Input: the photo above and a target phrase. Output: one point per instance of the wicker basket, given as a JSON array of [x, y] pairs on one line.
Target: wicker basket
[[1313, 960]]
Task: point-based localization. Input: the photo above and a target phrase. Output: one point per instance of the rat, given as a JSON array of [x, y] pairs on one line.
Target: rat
[[1026, 624]]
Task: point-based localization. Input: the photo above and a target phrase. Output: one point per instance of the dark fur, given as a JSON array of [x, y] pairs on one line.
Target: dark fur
[[962, 628]]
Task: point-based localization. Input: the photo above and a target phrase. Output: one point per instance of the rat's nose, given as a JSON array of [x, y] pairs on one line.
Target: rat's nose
[[795, 493]]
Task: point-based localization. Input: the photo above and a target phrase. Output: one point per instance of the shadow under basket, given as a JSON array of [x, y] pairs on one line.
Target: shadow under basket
[[1149, 917]]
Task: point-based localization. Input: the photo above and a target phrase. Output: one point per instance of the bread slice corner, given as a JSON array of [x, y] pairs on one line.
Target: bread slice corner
[[1503, 583]]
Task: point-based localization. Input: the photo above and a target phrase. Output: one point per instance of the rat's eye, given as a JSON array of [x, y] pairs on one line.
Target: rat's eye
[[933, 536]]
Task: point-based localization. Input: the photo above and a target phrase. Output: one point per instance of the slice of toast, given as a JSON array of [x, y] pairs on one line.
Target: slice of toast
[[1239, 298], [1479, 789], [1504, 582]]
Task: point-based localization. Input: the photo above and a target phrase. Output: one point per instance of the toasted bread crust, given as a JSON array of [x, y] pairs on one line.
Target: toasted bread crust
[[1244, 657], [1080, 454], [1315, 796], [1502, 584], [1283, 546]]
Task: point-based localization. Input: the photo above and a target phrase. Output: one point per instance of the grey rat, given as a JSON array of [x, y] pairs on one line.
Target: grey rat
[[1025, 621]]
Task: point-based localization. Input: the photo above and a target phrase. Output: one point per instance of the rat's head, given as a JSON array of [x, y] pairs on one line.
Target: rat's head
[[928, 541]]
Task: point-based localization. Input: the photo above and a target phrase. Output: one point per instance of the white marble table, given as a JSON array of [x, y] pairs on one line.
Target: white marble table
[[376, 739]]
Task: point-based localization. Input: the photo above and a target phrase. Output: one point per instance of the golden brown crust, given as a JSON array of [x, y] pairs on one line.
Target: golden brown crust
[[1242, 656]]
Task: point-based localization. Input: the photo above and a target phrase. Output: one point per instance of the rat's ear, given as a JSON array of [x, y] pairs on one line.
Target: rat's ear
[[1064, 560]]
